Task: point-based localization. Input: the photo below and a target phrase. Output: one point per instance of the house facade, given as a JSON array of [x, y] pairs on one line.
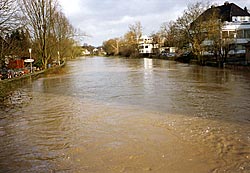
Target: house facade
[[235, 29], [146, 45], [85, 52], [239, 33]]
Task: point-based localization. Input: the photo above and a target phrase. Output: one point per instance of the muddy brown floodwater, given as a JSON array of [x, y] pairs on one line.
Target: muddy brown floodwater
[[128, 115]]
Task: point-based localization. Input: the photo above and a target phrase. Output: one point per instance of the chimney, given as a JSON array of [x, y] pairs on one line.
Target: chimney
[[226, 3]]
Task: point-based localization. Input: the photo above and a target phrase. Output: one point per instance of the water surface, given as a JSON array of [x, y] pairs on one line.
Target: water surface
[[128, 115]]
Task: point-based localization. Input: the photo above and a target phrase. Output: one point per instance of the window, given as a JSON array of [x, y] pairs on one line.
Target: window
[[231, 34], [240, 34], [247, 18], [224, 34], [247, 33], [234, 19], [146, 46]]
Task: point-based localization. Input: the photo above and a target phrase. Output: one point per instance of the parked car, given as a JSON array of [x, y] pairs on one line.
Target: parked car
[[172, 54], [164, 53]]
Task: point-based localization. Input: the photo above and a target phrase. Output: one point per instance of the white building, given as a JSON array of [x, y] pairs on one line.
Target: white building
[[85, 52], [236, 27], [146, 45], [239, 32]]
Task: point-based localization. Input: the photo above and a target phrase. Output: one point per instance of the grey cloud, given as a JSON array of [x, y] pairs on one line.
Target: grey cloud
[[104, 19]]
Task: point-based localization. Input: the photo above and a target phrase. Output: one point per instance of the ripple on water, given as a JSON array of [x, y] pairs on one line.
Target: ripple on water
[[229, 142], [112, 115]]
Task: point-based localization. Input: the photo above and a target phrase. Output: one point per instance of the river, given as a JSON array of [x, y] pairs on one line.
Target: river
[[128, 115]]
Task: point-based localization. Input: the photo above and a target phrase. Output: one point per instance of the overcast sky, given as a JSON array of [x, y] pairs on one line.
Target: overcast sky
[[105, 19]]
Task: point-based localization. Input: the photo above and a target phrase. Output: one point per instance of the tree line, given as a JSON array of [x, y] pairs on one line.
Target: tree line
[[127, 45], [39, 25]]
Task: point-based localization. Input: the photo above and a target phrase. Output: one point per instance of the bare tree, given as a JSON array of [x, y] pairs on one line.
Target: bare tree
[[9, 20], [156, 42], [173, 35], [193, 28], [212, 27], [130, 46], [63, 32], [185, 31], [112, 46], [135, 31], [189, 30], [41, 15]]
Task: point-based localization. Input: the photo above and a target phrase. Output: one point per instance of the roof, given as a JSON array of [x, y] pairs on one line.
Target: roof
[[226, 12]]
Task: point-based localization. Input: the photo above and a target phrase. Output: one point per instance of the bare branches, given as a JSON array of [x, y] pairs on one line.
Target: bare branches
[[9, 18], [47, 28], [50, 30], [40, 14]]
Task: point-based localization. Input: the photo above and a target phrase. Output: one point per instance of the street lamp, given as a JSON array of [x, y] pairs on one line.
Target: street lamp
[[58, 53], [30, 61]]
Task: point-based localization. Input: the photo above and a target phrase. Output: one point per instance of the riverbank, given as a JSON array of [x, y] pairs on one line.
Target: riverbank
[[233, 63], [8, 85]]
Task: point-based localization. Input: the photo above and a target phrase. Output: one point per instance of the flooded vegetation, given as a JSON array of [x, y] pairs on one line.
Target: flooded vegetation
[[128, 115]]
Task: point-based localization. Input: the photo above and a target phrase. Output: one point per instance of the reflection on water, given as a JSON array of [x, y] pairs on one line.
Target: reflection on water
[[148, 63], [128, 115]]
